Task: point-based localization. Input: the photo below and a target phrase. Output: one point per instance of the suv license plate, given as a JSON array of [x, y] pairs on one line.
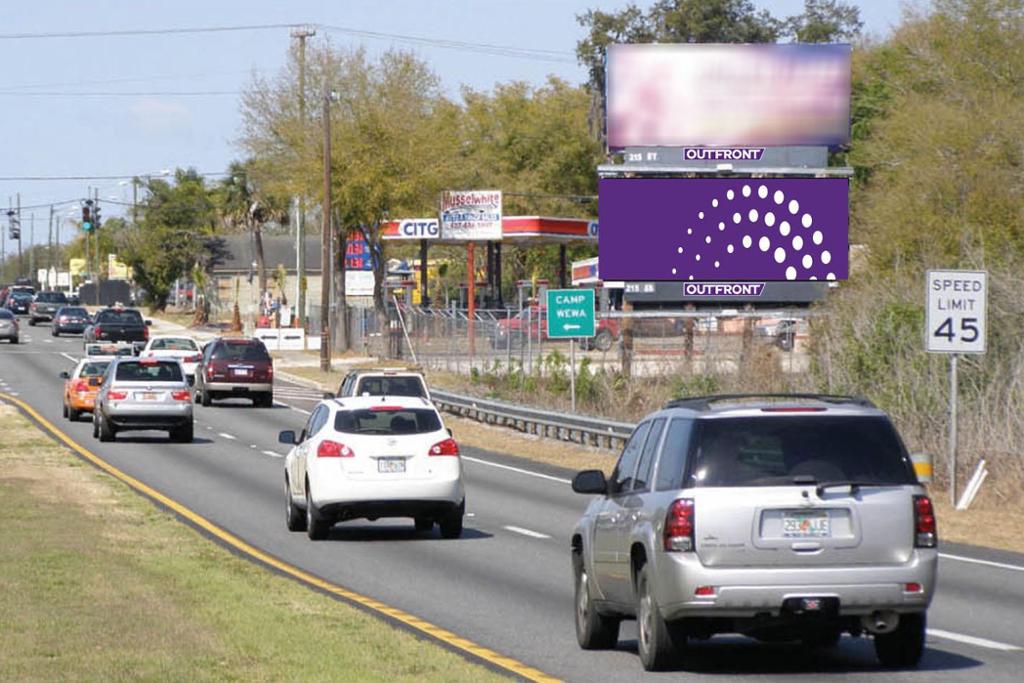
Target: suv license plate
[[240, 372], [147, 396], [391, 465], [806, 525]]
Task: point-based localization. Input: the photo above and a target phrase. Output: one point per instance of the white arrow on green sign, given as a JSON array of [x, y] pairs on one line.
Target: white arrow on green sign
[[570, 313]]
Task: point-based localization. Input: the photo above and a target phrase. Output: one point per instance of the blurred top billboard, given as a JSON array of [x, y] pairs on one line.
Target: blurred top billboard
[[727, 95]]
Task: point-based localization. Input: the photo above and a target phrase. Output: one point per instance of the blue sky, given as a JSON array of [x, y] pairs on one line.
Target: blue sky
[[47, 135]]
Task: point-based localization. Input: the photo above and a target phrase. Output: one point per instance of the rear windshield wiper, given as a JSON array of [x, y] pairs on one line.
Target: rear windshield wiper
[[854, 485]]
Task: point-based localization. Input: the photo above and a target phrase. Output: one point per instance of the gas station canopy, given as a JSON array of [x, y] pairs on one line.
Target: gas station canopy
[[518, 230]]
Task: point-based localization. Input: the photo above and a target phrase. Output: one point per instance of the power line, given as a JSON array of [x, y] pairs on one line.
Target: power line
[[144, 32], [134, 79], [123, 93], [124, 176]]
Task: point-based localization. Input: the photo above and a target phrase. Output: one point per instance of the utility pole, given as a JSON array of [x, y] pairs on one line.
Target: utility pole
[[32, 247], [21, 259], [95, 229], [325, 245], [302, 33], [49, 250]]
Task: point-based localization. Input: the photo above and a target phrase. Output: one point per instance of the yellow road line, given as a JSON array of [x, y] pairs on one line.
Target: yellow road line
[[452, 640]]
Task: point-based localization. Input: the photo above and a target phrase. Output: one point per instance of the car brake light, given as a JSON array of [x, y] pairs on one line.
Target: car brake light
[[97, 331], [912, 587], [145, 332], [679, 523], [149, 360], [181, 395], [925, 535], [209, 371], [446, 447], [384, 409], [117, 395], [704, 591], [193, 359], [333, 449], [81, 387], [792, 409]]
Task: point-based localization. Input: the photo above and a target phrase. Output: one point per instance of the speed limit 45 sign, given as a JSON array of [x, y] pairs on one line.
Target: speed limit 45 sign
[[956, 311]]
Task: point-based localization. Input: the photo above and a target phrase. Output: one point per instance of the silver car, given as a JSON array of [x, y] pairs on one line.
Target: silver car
[[778, 517], [144, 394]]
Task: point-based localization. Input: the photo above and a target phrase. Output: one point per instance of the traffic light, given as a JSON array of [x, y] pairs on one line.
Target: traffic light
[[87, 221], [96, 217], [13, 226]]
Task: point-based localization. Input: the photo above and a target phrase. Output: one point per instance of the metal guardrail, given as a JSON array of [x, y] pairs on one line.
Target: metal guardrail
[[590, 431]]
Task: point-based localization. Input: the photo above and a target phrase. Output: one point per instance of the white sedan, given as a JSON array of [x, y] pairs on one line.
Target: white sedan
[[184, 349], [371, 457]]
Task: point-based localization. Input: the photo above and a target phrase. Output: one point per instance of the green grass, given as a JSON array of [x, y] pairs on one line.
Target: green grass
[[96, 584]]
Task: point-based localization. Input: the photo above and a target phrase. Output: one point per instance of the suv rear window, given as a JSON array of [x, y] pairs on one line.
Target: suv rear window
[[391, 386], [773, 451], [75, 311], [403, 421], [249, 350], [126, 317], [161, 371], [52, 297]]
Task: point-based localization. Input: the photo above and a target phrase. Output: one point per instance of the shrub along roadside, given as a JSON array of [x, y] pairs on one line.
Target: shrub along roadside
[[97, 584]]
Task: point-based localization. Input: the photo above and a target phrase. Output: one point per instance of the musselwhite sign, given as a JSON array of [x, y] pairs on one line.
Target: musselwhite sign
[[955, 321], [471, 215]]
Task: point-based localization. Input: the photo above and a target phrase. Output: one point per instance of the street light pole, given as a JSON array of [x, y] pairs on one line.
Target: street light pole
[[325, 245], [302, 33]]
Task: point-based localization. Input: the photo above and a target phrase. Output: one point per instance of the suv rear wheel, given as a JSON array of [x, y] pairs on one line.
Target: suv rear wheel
[[593, 631], [295, 517], [316, 526], [451, 524], [659, 644], [903, 647]]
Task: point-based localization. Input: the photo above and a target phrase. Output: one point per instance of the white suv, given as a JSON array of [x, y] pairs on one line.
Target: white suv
[[371, 457], [794, 517]]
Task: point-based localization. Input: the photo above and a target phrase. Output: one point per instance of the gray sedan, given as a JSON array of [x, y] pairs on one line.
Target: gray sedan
[[144, 394], [8, 326]]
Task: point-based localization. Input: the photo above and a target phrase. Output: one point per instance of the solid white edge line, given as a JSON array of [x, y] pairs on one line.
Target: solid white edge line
[[272, 454], [525, 532], [298, 410], [227, 436], [560, 480], [987, 563], [69, 357], [972, 640]]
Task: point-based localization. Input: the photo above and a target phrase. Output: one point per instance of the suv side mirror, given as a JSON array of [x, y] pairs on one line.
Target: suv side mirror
[[449, 430], [65, 375], [149, 323], [590, 481], [328, 395], [286, 437]]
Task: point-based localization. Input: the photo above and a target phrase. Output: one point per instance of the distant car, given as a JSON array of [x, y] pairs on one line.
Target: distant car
[[235, 368], [117, 324], [8, 326], [184, 349], [44, 306], [364, 457], [70, 320], [383, 382], [143, 394], [780, 518], [19, 300], [81, 386]]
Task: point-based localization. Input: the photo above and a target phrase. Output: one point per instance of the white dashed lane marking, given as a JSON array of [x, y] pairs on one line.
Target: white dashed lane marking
[[525, 532], [272, 454], [972, 640], [226, 436]]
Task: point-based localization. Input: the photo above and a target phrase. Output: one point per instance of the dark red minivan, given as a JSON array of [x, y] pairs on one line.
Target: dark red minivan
[[235, 368]]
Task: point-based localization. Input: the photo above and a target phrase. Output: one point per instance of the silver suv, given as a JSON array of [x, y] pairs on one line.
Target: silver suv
[[795, 517]]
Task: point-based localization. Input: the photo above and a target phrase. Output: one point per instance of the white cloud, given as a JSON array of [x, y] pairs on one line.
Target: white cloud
[[161, 117]]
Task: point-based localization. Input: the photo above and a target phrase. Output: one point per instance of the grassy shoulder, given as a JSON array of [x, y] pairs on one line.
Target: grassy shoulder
[[989, 522], [98, 584]]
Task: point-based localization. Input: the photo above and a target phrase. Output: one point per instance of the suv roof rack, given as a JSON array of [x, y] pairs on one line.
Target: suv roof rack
[[704, 402]]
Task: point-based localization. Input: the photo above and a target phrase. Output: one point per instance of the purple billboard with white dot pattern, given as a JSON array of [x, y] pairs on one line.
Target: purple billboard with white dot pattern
[[793, 229]]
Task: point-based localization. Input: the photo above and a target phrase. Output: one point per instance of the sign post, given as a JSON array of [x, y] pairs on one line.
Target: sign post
[[954, 324], [571, 315]]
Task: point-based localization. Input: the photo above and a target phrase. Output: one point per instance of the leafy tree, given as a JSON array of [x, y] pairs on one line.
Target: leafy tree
[[177, 234], [825, 21]]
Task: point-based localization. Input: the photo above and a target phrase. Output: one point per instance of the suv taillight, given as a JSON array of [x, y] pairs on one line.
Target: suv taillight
[[679, 523], [181, 395], [333, 449], [97, 331], [117, 395], [925, 531], [446, 447], [81, 387]]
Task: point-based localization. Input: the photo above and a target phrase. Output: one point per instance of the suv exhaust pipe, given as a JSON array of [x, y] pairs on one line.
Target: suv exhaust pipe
[[880, 622]]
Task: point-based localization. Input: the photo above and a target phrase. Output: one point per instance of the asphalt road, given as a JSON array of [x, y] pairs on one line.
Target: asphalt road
[[506, 584]]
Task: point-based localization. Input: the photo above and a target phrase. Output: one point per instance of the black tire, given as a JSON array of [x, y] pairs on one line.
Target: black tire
[[95, 425], [424, 524], [14, 340], [31, 322], [593, 631], [106, 430], [183, 434], [658, 644], [64, 412], [603, 340], [263, 401], [206, 400], [73, 414], [451, 524], [316, 526], [902, 649], [822, 638], [54, 332], [294, 517]]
